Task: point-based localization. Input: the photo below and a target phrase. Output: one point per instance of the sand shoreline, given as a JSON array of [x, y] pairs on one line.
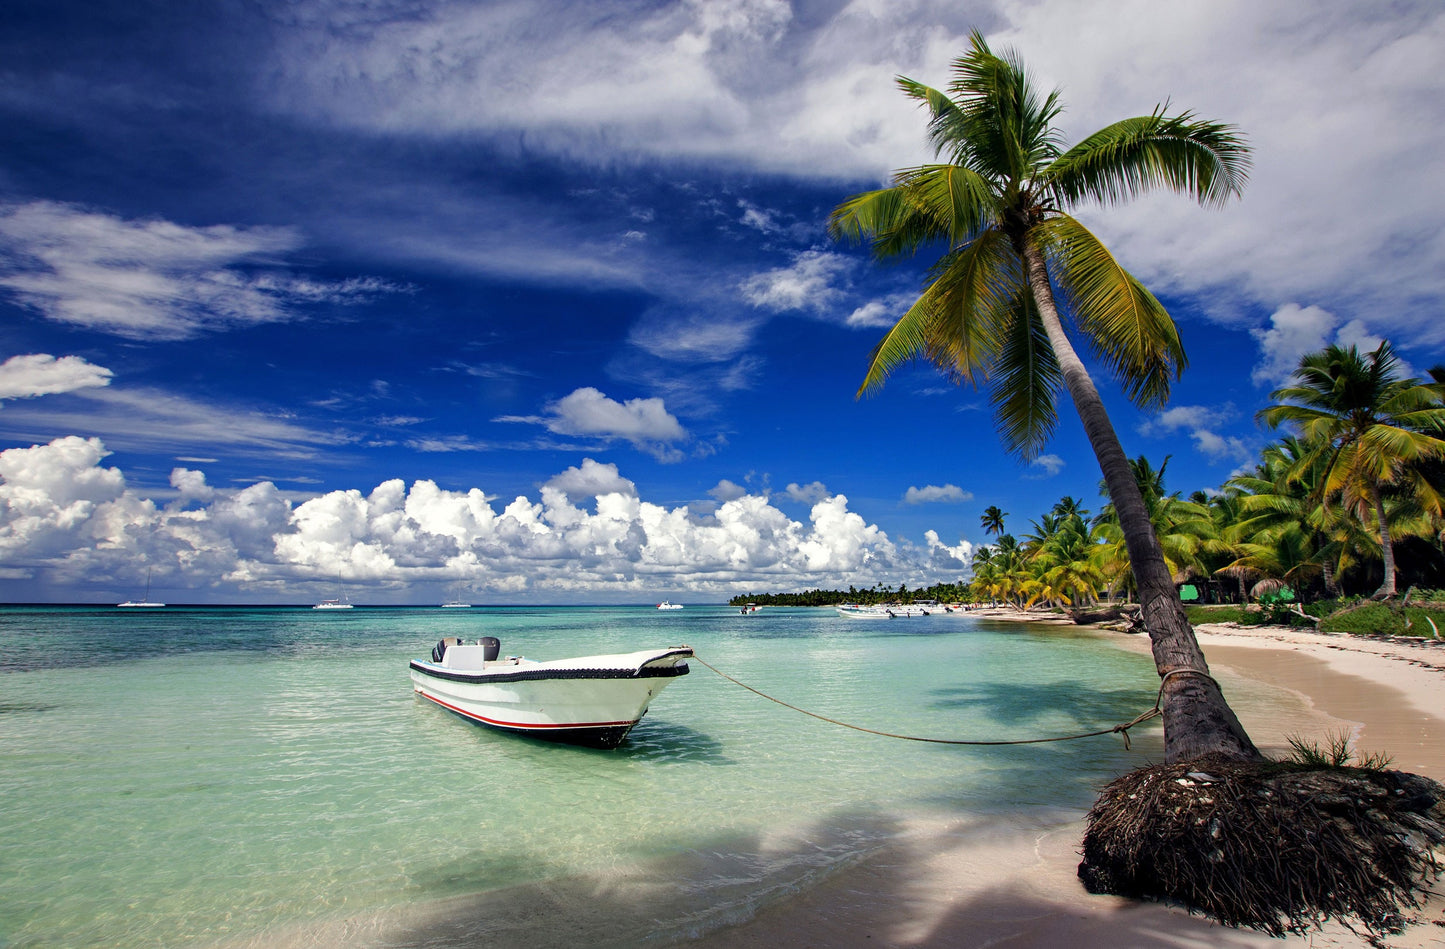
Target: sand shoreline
[[972, 884]]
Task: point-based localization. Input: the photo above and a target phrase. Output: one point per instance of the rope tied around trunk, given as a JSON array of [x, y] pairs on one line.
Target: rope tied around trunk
[[1121, 729]]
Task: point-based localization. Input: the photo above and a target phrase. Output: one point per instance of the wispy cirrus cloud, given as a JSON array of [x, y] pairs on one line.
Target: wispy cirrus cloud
[[152, 419], [155, 279]]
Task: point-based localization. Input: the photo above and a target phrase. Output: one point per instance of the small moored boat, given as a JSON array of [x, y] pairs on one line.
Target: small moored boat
[[589, 700], [669, 605]]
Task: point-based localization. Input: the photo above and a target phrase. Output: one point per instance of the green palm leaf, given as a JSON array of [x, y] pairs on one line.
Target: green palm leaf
[[1127, 327], [1206, 160], [944, 324], [1026, 381]]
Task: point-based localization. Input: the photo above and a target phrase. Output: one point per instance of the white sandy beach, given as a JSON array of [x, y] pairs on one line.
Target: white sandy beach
[[973, 884]]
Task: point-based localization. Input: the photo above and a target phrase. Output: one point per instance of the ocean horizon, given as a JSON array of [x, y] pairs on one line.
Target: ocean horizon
[[221, 776]]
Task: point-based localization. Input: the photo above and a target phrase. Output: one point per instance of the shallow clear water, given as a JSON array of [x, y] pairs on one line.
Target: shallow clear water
[[203, 776]]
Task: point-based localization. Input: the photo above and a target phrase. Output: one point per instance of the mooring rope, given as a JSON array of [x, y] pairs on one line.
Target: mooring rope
[[1121, 729]]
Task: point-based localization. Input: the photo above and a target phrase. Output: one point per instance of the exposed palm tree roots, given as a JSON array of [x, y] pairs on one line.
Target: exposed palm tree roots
[[1278, 847]]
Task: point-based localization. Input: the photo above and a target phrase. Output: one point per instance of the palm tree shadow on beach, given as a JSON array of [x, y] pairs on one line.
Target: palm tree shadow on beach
[[1009, 882]]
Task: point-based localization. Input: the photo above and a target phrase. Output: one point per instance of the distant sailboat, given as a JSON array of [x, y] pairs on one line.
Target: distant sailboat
[[332, 605], [145, 602], [456, 602]]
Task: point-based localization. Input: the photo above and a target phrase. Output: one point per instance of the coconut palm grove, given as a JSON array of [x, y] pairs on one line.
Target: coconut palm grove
[[1326, 523]]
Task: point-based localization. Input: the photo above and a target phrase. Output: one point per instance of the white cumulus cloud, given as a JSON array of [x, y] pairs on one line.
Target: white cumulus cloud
[[1045, 466], [591, 479], [24, 377], [934, 494], [1202, 422], [587, 412], [808, 284], [807, 493], [68, 522]]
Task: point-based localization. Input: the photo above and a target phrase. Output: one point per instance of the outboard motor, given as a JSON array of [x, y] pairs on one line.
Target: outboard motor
[[491, 648]]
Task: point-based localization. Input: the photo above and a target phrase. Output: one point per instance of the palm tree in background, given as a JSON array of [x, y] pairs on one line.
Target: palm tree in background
[[1366, 429], [992, 520], [1184, 528], [996, 203], [1274, 498]]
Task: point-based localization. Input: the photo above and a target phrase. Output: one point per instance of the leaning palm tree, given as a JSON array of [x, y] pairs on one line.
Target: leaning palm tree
[[996, 203], [1366, 427]]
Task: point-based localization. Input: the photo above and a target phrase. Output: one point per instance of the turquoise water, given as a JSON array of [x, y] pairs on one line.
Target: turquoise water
[[240, 776]]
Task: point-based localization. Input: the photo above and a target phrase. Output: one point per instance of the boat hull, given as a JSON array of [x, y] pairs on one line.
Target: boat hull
[[594, 701]]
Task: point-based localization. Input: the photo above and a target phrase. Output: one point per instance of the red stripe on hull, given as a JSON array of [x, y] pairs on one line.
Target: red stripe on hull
[[498, 723]]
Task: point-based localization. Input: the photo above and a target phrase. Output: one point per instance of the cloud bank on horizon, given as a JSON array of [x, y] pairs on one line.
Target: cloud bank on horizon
[[67, 517], [317, 169]]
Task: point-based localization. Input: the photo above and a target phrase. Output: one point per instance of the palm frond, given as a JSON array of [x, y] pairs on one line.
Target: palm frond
[[889, 219], [957, 200], [973, 287], [1208, 161], [905, 341], [952, 324], [1026, 381], [947, 124], [1002, 128], [1128, 329]]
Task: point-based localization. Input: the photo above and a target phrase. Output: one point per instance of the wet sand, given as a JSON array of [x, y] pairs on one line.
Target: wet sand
[[981, 883]]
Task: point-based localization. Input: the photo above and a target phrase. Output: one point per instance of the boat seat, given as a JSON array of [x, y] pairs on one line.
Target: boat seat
[[439, 651]]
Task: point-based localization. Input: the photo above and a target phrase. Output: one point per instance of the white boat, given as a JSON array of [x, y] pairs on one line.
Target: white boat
[[456, 602], [856, 611], [332, 605], [669, 605], [749, 608], [589, 700], [888, 611], [145, 602]]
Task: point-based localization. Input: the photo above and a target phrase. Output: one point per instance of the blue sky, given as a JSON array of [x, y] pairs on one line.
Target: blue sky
[[387, 299]]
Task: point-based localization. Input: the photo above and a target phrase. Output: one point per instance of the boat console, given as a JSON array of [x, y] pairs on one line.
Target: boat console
[[454, 652]]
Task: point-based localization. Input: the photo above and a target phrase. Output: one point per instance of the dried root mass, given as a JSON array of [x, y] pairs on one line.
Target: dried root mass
[[1271, 846]]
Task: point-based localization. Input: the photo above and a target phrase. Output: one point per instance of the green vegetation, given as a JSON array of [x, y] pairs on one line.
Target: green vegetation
[[1365, 432], [1335, 753], [1342, 505], [939, 592], [1386, 619]]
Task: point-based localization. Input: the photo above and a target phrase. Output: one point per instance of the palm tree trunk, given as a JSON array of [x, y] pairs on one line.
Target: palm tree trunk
[[1327, 568], [1197, 720], [1387, 589]]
